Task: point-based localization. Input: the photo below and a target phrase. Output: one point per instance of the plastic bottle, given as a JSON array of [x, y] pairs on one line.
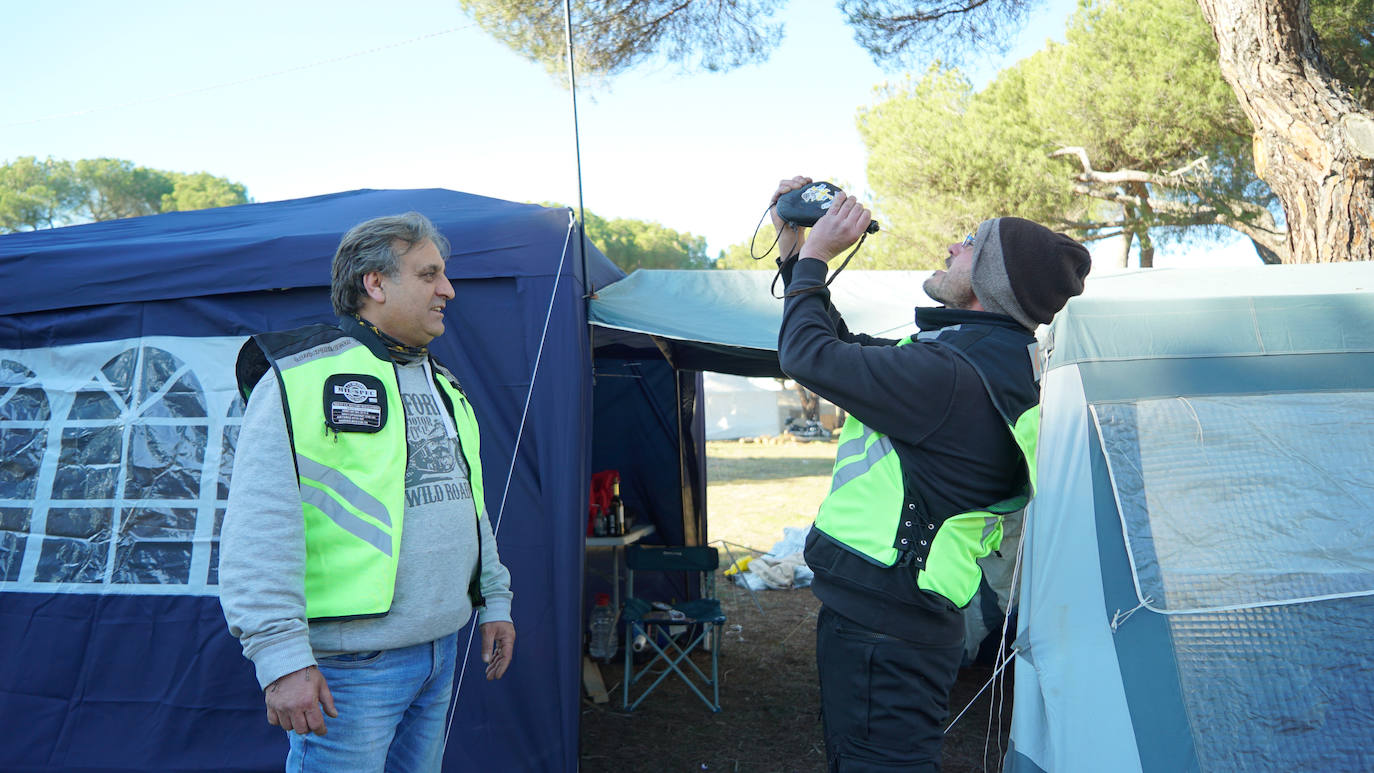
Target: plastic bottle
[[602, 626]]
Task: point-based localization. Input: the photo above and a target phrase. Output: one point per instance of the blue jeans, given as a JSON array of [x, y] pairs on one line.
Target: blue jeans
[[392, 707]]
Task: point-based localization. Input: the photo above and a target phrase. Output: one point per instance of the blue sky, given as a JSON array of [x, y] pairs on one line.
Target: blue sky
[[301, 97]]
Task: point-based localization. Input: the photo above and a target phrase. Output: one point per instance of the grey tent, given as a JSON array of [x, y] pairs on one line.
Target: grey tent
[[1198, 571]]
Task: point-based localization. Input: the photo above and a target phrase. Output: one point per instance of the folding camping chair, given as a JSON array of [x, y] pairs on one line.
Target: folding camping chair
[[702, 616]]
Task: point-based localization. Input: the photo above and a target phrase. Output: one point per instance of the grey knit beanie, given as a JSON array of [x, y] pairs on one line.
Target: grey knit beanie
[[1026, 271]]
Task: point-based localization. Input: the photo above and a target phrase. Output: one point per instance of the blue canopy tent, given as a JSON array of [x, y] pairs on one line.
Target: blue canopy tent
[[118, 417]]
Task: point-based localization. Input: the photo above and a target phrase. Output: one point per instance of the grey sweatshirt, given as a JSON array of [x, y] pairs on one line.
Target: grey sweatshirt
[[262, 544]]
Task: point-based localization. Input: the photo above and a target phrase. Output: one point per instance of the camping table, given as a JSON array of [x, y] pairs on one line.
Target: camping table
[[591, 672], [617, 545]]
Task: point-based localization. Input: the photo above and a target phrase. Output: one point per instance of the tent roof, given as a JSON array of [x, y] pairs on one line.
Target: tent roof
[[275, 245], [727, 321], [1214, 312]]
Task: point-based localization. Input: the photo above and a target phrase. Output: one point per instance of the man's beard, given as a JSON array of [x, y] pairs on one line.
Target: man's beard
[[939, 289]]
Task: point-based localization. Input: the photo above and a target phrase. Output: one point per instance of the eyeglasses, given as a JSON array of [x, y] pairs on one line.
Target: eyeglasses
[[968, 240]]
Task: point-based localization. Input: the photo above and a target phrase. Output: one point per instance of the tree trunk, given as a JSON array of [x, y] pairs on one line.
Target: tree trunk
[[1127, 234], [1266, 255], [810, 403], [1147, 247], [1314, 144]]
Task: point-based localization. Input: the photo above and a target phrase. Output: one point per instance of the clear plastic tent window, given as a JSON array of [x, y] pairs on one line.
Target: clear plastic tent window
[[1231, 502], [114, 464]]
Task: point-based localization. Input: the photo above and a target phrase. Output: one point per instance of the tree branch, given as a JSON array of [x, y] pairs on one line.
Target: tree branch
[[1080, 153], [1248, 218], [922, 16]]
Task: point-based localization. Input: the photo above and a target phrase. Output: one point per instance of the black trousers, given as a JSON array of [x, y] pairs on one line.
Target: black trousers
[[884, 700]]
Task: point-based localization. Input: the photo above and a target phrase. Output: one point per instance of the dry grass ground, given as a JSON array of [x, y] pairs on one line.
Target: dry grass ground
[[755, 490], [770, 718]]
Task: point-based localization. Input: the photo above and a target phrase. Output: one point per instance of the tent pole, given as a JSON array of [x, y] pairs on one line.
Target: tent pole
[[577, 150], [691, 524]]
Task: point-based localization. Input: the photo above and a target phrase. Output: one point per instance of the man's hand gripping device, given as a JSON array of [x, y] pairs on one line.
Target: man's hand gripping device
[[804, 206], [801, 208]]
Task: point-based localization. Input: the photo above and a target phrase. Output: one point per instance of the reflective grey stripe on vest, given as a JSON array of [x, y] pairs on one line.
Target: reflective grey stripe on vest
[[337, 346], [989, 526], [372, 535], [344, 487], [853, 446], [854, 469], [931, 335], [346, 520]]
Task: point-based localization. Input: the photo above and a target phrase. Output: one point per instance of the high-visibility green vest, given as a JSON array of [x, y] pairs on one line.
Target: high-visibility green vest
[[868, 509], [347, 429]]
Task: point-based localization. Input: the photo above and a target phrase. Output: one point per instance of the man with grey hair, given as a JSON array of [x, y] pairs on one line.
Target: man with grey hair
[[938, 447], [356, 542]]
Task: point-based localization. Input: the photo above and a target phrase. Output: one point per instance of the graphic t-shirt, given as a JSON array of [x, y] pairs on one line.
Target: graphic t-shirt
[[435, 469]]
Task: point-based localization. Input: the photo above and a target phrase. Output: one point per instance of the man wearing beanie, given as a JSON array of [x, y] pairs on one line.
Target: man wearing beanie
[[939, 445]]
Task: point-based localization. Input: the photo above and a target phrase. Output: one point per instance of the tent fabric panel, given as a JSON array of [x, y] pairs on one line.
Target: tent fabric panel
[[728, 308], [1071, 707], [1233, 281], [161, 681], [638, 435], [1258, 311], [1143, 379], [1149, 669], [1279, 688], [202, 317], [493, 344], [735, 308], [736, 361], [686, 355], [1233, 501], [659, 458], [1016, 762]]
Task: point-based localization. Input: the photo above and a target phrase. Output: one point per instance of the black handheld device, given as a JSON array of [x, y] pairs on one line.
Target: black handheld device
[[804, 206]]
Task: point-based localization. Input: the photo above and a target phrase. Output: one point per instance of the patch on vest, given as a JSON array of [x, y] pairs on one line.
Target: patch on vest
[[354, 402]]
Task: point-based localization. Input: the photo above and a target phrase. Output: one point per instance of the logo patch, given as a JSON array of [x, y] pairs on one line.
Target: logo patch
[[819, 193], [354, 402]]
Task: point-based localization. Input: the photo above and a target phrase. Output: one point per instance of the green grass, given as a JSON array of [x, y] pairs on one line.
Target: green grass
[[754, 490]]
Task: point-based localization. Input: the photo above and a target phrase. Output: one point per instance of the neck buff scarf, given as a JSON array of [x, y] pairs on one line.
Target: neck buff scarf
[[399, 352]]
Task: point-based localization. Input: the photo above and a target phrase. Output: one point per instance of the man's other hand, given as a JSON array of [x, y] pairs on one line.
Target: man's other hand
[[789, 239], [294, 702], [498, 647], [839, 227]]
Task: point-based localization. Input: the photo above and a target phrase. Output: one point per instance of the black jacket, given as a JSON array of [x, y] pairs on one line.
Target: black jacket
[[954, 447]]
